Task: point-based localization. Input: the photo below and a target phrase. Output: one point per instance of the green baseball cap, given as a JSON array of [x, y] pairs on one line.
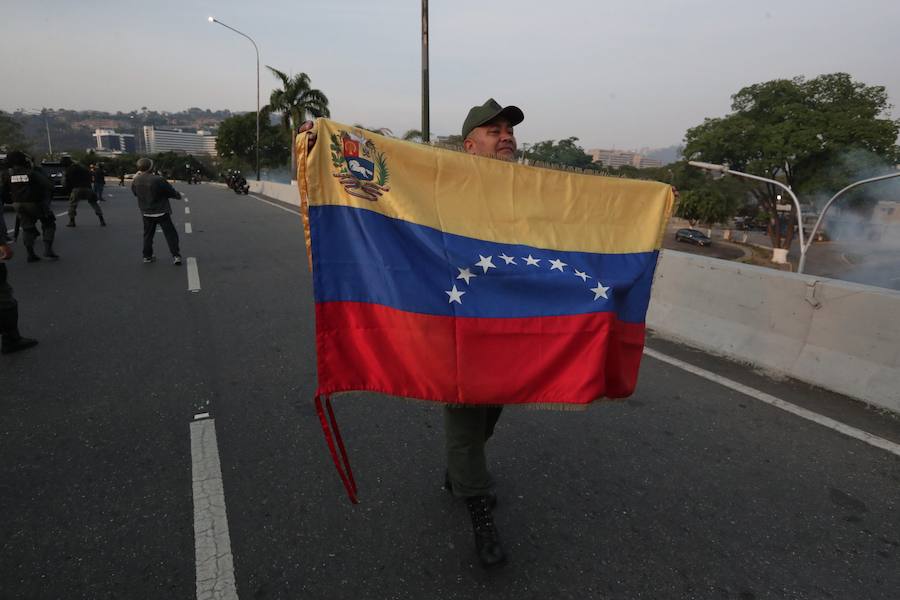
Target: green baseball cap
[[490, 110]]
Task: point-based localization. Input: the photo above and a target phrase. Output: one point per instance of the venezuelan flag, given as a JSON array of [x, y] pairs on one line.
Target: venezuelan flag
[[449, 277]]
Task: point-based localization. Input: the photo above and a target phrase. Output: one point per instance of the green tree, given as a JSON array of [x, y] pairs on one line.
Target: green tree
[[11, 135], [565, 152], [297, 102], [236, 141], [710, 202], [795, 130]]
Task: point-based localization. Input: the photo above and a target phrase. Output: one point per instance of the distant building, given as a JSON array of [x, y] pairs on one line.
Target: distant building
[[174, 139], [621, 158], [109, 141]]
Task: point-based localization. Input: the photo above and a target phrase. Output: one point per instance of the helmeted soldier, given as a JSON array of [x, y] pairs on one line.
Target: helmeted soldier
[[30, 191]]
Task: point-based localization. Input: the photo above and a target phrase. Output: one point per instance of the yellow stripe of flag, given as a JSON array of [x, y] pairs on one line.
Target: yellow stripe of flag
[[490, 199]]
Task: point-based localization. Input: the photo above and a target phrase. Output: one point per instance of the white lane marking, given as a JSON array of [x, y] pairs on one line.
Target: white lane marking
[[859, 434], [187, 210], [187, 227], [62, 214], [204, 415], [193, 275], [212, 544], [293, 212]]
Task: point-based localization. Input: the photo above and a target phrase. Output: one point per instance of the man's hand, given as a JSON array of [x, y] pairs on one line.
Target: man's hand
[[311, 139], [6, 252]]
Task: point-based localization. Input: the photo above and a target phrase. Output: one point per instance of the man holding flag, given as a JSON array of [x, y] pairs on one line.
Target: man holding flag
[[450, 277], [487, 131]]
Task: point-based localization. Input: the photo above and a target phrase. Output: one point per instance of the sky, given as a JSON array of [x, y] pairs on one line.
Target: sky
[[626, 74]]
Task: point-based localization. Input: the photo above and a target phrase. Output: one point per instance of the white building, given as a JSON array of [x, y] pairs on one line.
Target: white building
[[173, 139], [620, 158], [112, 142]]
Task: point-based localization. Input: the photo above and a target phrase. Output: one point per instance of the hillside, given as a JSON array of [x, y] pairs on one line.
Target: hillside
[[71, 130]]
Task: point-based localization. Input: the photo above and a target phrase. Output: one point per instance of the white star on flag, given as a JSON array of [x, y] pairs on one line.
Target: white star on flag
[[531, 261], [557, 264], [465, 274], [509, 259], [599, 291], [456, 295], [485, 263], [584, 276]]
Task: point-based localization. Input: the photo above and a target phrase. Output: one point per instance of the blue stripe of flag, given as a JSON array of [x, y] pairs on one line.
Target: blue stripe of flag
[[363, 256]]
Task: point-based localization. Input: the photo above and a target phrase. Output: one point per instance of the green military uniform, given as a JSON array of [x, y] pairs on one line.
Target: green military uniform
[[30, 191]]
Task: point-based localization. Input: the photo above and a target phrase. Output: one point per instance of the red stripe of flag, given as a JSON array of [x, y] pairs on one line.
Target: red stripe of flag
[[570, 359]]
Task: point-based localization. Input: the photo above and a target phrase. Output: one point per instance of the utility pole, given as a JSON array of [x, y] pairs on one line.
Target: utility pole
[[49, 143], [426, 128]]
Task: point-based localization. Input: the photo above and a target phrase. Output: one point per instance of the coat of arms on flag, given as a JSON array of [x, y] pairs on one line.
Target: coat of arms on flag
[[472, 280], [361, 169]]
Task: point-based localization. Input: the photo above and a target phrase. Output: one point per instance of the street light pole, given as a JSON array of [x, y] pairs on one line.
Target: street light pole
[[255, 47], [426, 126], [825, 208], [49, 143], [726, 171]]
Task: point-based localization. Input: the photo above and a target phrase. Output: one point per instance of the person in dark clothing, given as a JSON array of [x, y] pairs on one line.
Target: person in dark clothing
[[10, 338], [78, 185], [30, 191], [153, 193], [99, 177]]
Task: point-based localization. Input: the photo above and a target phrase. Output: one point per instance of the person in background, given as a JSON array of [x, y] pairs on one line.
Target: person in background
[[98, 174], [153, 193], [78, 184], [30, 191]]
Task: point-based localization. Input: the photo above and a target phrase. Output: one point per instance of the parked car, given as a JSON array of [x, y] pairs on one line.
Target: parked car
[[692, 236], [57, 174]]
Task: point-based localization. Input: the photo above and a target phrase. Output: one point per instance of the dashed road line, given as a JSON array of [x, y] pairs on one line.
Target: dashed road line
[[187, 210], [193, 275], [293, 212], [187, 227], [212, 543], [859, 434]]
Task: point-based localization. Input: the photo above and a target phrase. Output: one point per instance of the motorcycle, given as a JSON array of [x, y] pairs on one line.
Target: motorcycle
[[238, 183]]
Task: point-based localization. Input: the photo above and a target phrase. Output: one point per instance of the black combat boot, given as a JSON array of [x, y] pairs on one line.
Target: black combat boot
[[102, 221], [32, 256], [71, 222], [487, 539], [12, 341]]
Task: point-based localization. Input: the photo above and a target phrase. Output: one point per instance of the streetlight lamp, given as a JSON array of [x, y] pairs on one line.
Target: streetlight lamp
[[726, 171], [255, 47], [828, 204]]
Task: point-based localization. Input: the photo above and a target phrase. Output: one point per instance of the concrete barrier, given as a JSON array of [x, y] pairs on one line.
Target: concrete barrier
[[837, 335], [279, 191]]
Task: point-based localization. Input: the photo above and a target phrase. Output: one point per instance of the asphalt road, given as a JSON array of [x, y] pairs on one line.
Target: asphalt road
[[686, 490]]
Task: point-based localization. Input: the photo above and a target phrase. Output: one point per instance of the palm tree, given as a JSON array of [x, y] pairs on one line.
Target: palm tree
[[412, 135], [297, 102], [379, 130]]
